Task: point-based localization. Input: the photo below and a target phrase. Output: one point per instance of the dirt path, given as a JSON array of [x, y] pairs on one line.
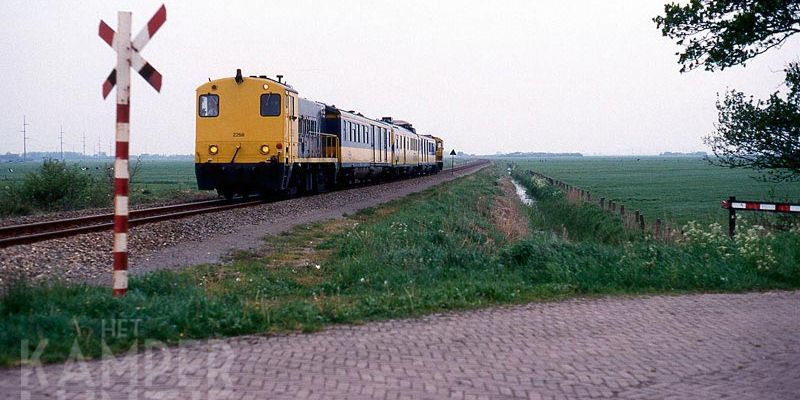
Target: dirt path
[[330, 205], [713, 346]]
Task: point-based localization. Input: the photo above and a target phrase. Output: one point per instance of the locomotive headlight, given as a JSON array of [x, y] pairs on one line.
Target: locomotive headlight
[[213, 149], [264, 149]]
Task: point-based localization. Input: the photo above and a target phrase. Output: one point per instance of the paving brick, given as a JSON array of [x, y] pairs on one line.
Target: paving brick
[[713, 346]]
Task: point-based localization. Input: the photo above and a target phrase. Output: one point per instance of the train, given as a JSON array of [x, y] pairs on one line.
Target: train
[[256, 136]]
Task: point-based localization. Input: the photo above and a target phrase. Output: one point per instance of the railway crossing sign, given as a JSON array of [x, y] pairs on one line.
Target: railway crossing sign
[[127, 57], [128, 51]]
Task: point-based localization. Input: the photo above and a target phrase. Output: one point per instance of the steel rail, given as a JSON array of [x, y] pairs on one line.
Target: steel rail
[[38, 231], [92, 219]]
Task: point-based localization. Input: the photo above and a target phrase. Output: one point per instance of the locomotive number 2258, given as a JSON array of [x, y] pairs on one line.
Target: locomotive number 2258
[[238, 134]]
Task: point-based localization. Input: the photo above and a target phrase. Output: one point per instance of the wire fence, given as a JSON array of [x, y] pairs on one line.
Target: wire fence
[[633, 220]]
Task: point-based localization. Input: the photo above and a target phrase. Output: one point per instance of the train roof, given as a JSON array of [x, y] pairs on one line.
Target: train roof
[[258, 78], [385, 121], [352, 114]]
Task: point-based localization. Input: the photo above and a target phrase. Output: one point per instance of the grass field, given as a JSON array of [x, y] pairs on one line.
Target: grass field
[[152, 175], [676, 189], [438, 250], [36, 187], [155, 176]]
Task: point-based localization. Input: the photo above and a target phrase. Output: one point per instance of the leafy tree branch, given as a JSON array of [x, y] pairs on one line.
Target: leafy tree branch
[[717, 34], [760, 134]]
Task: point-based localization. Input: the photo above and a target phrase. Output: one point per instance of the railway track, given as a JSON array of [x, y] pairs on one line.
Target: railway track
[[38, 231]]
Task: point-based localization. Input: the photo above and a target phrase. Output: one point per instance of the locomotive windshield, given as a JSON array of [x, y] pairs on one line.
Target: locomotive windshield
[[270, 105], [209, 105]]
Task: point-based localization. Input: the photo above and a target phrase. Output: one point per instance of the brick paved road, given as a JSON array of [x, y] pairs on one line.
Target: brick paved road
[[702, 346]]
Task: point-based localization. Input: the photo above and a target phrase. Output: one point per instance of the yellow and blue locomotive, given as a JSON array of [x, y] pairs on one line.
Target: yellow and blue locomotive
[[255, 135]]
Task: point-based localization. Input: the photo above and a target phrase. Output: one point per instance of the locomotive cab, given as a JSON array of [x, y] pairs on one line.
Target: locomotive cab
[[246, 135], [439, 153]]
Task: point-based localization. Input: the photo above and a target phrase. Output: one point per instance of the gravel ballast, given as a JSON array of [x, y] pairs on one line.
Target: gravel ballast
[[199, 239]]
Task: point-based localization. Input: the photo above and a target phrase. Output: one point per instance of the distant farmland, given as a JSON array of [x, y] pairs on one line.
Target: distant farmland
[[677, 189], [155, 176], [155, 180]]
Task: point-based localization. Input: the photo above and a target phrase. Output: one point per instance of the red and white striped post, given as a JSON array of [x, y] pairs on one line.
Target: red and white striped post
[[121, 173], [127, 56]]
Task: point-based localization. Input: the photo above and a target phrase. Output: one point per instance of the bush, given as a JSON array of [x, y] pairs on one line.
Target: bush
[[12, 200], [54, 187]]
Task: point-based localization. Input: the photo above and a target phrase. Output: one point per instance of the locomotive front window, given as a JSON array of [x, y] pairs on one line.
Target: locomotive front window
[[209, 105], [270, 105]]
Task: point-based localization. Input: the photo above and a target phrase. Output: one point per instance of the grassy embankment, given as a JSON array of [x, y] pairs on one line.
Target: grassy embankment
[[433, 251]]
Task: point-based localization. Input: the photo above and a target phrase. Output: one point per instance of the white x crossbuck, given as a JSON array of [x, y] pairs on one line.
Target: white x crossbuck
[[121, 43]]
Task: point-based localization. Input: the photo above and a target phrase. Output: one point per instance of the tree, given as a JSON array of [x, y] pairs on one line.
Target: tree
[[763, 134], [716, 34]]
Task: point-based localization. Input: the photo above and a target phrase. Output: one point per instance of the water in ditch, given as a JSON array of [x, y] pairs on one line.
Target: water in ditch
[[523, 194]]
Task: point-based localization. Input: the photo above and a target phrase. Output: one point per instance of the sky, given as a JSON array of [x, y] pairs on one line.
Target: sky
[[588, 76]]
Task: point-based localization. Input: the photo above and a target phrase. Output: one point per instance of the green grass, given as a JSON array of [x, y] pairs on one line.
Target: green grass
[[152, 181], [178, 174], [433, 251], [677, 189], [611, 260]]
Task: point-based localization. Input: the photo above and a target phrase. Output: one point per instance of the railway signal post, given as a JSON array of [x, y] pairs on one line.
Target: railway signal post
[[127, 57], [452, 161]]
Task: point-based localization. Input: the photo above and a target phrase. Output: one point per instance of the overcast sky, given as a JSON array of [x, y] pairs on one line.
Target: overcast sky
[[590, 76]]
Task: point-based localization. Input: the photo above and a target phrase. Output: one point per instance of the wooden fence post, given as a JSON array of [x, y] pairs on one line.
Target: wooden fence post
[[658, 228], [731, 217]]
